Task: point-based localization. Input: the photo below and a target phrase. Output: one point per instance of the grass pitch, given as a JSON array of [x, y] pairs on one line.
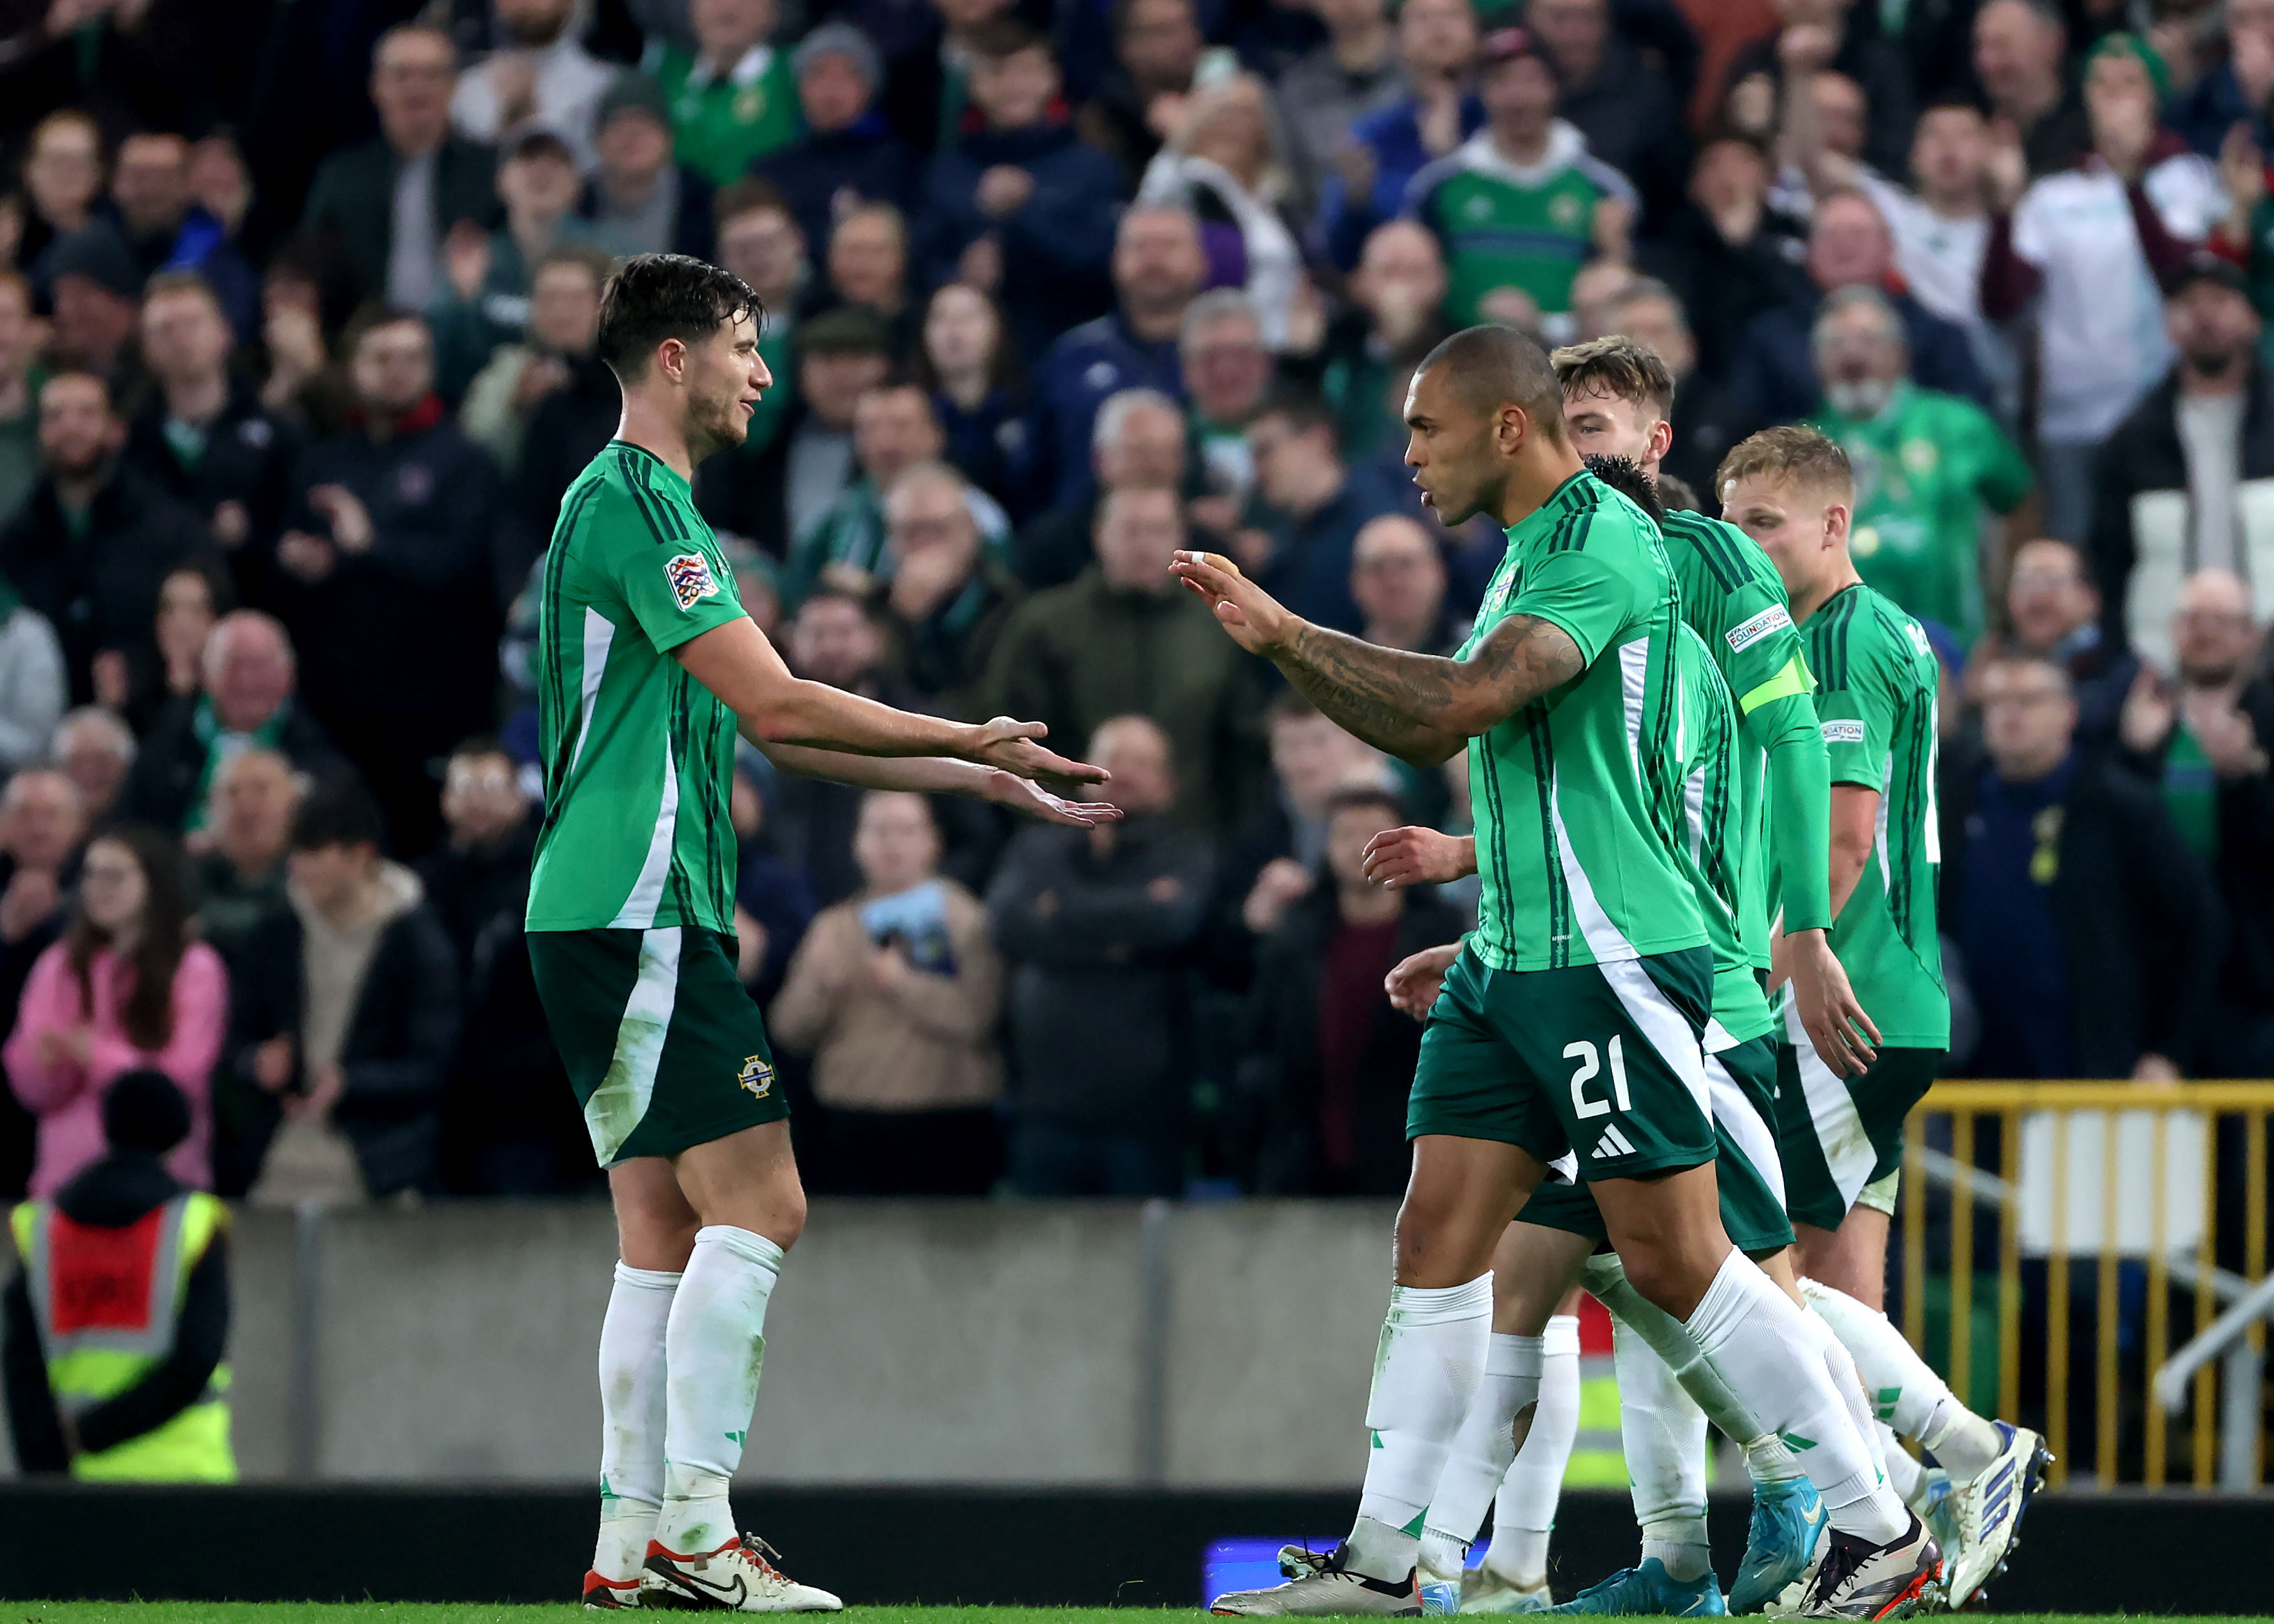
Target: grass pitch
[[410, 1613]]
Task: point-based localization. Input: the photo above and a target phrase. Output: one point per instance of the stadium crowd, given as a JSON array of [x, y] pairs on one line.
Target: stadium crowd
[[297, 316]]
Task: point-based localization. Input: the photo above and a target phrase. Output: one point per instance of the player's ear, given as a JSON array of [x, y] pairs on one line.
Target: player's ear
[[1510, 429], [1836, 524], [1662, 439], [671, 359]]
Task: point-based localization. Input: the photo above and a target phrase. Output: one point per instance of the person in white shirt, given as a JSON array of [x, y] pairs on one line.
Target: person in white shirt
[[538, 72]]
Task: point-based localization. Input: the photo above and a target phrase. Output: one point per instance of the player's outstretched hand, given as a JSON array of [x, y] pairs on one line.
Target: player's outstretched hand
[[1412, 983], [1257, 621], [1842, 1034], [1398, 858], [1010, 744], [1008, 789]]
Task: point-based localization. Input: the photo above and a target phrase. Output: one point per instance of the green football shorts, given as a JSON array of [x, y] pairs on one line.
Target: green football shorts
[[1840, 1135], [1741, 1083], [1598, 1062], [663, 1043]]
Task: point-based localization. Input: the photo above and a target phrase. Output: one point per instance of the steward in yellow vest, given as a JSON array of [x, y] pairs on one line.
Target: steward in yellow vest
[[112, 1329]]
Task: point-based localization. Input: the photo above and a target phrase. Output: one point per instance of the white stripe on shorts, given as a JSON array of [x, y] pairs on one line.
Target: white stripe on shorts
[[1840, 1134], [1738, 1118], [1655, 1017], [621, 1098]]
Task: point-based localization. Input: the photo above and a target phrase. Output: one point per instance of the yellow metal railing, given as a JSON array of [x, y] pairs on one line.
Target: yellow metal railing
[[2146, 1192]]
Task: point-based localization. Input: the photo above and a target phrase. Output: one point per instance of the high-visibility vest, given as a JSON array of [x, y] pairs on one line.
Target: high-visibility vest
[[107, 1302], [1599, 1456]]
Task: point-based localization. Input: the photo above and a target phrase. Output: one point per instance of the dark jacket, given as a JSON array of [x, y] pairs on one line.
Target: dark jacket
[[565, 433], [945, 656], [1279, 1071], [171, 768], [467, 888], [2144, 455], [1725, 286], [1877, 66], [2138, 923], [1633, 120], [352, 200], [1772, 376], [1095, 360], [200, 242], [819, 174], [99, 591], [248, 457], [114, 1193], [395, 1055], [1097, 947], [1310, 567]]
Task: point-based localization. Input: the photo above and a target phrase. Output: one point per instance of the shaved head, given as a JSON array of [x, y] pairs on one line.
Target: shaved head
[[1488, 367]]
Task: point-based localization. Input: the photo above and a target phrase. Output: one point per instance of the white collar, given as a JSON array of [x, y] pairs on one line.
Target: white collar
[[748, 70]]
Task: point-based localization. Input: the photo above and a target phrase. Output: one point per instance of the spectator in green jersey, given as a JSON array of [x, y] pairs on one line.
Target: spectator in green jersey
[[1520, 205], [1930, 468], [734, 99]]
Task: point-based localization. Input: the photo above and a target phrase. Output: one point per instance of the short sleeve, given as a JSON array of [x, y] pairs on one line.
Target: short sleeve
[[1583, 591], [1858, 725], [675, 585]]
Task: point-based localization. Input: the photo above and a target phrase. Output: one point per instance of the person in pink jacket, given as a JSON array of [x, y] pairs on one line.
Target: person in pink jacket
[[124, 988]]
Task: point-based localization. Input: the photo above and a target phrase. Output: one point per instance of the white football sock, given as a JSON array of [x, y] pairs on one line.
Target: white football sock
[[1768, 1461], [1524, 1510], [1840, 1366], [713, 1349], [631, 1418], [1664, 1432], [1905, 1475], [1751, 1333], [1482, 1449], [1907, 1394], [1427, 1370]]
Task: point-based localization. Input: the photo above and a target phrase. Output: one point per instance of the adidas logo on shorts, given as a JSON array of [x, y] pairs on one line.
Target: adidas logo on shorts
[[1613, 1143]]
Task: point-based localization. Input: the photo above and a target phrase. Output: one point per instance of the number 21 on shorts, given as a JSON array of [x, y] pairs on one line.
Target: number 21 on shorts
[[1590, 1064]]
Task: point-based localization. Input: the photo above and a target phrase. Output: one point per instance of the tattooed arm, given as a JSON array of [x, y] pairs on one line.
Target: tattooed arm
[[1420, 707]]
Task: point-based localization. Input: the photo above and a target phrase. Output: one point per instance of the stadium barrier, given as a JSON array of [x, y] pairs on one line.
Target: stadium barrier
[[2142, 1200]]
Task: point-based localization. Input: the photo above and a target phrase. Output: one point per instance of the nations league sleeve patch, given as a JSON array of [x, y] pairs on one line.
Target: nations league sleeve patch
[[1744, 637], [1843, 731], [690, 577]]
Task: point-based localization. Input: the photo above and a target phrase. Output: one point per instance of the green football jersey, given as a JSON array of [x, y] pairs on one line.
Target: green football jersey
[[1505, 226], [1713, 847], [1576, 796], [1878, 707], [639, 757], [1733, 599], [1929, 468]]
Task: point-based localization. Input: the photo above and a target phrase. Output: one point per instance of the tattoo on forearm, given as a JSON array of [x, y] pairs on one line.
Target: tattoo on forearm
[[1400, 701]]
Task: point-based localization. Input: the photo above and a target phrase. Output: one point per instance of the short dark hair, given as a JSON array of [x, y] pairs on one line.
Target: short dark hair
[[583, 256], [1303, 409], [1289, 705], [1005, 36], [655, 297], [1626, 369], [337, 811], [1352, 795], [1675, 494], [1491, 366], [373, 315], [182, 282], [749, 196]]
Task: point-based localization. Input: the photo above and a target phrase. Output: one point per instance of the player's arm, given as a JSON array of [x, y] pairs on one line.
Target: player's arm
[[741, 669], [1420, 707], [938, 774], [1398, 858], [1855, 830]]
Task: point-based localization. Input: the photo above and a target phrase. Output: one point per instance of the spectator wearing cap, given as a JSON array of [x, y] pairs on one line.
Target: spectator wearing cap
[[538, 71], [203, 437], [1383, 151], [1022, 207], [1521, 205], [167, 229], [389, 202], [389, 549], [1157, 50], [847, 152], [2089, 246], [1352, 72], [639, 199], [91, 546], [783, 490], [2179, 477], [485, 302], [95, 285], [734, 97]]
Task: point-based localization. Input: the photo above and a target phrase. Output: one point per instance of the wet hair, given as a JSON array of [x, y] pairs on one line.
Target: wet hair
[[1488, 367], [1626, 369], [1624, 475], [655, 297]]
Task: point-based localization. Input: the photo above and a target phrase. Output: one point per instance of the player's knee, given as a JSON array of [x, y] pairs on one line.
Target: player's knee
[[662, 1244], [1666, 1278]]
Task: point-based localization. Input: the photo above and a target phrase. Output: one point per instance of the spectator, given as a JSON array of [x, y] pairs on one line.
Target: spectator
[[188, 606], [389, 202], [847, 154], [125, 989], [1369, 349], [1828, 33], [2172, 475], [2089, 929], [156, 1415], [761, 243], [1397, 580], [867, 267], [1022, 207], [486, 304], [785, 490], [554, 356], [20, 376], [1773, 378], [1934, 469], [347, 1007], [927, 78], [239, 878], [1379, 157], [2235, 87], [244, 702], [2199, 736], [1326, 1060], [538, 72], [91, 547], [639, 199], [2053, 612], [95, 752], [970, 364], [1628, 115], [1222, 164], [509, 1123], [1226, 365], [95, 285], [1703, 420], [390, 550], [2093, 240], [2020, 47], [1727, 253], [734, 97], [1312, 507], [947, 595], [168, 230], [1122, 640], [32, 685], [482, 867], [1355, 72], [62, 179], [1521, 205], [204, 439], [1157, 47], [297, 300], [1138, 440], [42, 824], [1095, 925], [1157, 267], [896, 993]]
